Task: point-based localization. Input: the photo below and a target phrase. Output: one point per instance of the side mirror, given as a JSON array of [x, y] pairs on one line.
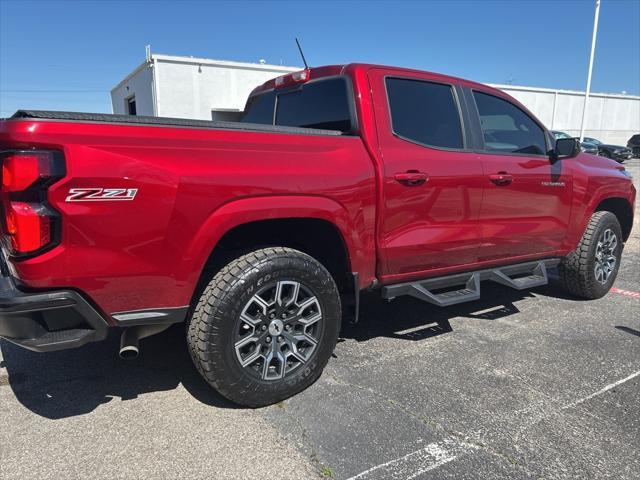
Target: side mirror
[[566, 148]]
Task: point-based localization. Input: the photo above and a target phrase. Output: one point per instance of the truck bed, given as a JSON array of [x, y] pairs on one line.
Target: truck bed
[[165, 122]]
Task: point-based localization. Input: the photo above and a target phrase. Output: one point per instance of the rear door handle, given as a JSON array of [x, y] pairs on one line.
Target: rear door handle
[[412, 178], [501, 178]]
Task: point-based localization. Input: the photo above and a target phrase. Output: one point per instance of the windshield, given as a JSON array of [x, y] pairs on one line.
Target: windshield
[[592, 140], [323, 104]]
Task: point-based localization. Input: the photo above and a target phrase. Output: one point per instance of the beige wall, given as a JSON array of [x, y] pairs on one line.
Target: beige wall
[[610, 118]]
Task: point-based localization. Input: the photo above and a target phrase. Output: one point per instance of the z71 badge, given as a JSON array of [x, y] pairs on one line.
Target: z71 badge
[[101, 194]]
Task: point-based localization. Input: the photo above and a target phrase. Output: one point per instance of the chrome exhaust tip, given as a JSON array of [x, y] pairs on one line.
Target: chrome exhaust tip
[[129, 348], [129, 344]]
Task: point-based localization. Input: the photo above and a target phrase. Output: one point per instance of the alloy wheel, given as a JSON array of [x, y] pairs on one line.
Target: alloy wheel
[[278, 330], [605, 255]]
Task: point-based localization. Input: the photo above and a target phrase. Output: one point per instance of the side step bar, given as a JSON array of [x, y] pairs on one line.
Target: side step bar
[[440, 290]]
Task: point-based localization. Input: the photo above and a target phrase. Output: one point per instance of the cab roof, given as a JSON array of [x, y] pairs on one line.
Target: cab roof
[[354, 68]]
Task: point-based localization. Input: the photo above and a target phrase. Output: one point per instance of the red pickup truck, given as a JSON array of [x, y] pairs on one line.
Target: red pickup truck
[[259, 235]]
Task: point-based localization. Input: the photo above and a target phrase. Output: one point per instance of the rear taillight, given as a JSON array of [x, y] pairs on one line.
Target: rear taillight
[[30, 225]]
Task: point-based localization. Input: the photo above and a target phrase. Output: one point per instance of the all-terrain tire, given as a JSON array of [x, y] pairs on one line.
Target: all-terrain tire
[[577, 270], [212, 329]]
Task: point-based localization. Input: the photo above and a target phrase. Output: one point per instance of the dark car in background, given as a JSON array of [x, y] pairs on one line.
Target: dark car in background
[[634, 145], [618, 153], [584, 146]]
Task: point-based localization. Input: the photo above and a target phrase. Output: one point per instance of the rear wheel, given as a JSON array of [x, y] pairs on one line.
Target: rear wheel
[[605, 153], [589, 271], [265, 326]]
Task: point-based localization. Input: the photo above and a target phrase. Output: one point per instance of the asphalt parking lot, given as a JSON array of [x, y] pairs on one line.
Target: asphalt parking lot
[[519, 385]]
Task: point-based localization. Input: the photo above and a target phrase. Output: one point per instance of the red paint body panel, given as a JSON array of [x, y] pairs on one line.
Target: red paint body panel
[[195, 184], [595, 179], [528, 216], [434, 225]]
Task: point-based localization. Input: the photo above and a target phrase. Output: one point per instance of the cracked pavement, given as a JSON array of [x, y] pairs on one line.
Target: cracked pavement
[[517, 385]]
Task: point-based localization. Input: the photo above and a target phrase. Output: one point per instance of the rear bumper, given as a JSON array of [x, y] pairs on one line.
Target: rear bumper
[[47, 321]]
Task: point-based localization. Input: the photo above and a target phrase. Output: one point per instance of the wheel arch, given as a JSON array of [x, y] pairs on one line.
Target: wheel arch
[[623, 211], [317, 226], [316, 237]]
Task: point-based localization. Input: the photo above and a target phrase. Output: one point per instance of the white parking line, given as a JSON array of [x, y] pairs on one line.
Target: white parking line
[[416, 463], [602, 390]]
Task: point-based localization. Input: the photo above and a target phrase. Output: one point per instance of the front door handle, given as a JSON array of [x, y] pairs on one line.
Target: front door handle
[[411, 178], [501, 178]]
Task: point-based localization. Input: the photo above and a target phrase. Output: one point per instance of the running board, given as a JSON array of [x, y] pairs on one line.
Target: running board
[[440, 290], [537, 278]]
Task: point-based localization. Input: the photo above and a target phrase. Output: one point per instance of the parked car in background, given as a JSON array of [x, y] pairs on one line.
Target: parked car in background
[[584, 146], [634, 145], [616, 152]]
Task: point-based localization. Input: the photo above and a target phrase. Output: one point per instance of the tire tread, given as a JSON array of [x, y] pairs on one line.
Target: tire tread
[[202, 328], [575, 272]]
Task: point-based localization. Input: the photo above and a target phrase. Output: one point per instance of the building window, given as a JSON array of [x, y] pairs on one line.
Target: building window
[[130, 104]]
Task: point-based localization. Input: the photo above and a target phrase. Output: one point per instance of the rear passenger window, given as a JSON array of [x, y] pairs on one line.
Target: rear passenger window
[[424, 112], [508, 129]]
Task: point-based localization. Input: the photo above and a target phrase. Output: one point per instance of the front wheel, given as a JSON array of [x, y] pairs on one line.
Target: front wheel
[[590, 270], [265, 326]]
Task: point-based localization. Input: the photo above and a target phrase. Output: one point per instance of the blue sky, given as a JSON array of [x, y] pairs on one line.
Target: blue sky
[[68, 55]]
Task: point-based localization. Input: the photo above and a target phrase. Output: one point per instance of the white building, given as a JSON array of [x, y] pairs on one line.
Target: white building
[[611, 118], [200, 88], [188, 87]]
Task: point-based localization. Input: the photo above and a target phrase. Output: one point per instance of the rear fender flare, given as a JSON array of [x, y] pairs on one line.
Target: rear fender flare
[[247, 210]]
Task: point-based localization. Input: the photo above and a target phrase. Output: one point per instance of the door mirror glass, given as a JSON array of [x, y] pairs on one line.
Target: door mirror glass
[[567, 148]]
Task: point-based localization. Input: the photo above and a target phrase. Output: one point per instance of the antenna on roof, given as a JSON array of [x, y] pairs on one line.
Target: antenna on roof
[[304, 60]]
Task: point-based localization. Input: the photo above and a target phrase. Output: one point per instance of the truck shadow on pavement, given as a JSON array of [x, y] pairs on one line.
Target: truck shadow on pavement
[[407, 318], [76, 382]]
